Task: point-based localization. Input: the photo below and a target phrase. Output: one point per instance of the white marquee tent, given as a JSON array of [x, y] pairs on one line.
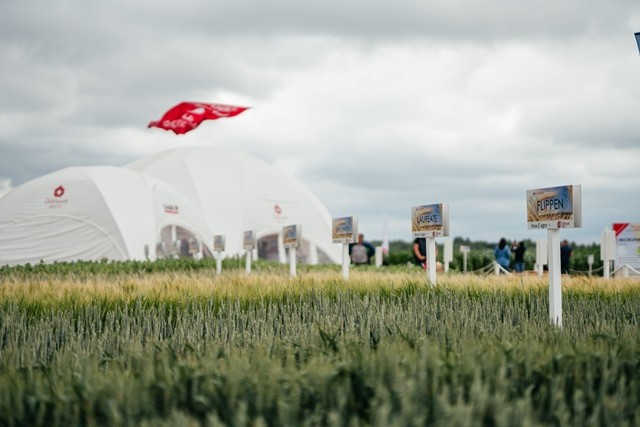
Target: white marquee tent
[[146, 208], [238, 192], [89, 213]]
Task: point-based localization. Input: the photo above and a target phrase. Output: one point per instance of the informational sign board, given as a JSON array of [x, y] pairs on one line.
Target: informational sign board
[[194, 246], [160, 250], [627, 244], [430, 220], [218, 243], [344, 230], [248, 240], [291, 235], [553, 208]]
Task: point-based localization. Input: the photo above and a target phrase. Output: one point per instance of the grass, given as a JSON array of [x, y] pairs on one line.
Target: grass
[[384, 348]]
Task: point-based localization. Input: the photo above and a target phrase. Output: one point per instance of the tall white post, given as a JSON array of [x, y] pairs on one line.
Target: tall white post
[[282, 252], [448, 253], [292, 262], [218, 263], [464, 261], [555, 282], [248, 263], [607, 251], [431, 260], [541, 256], [378, 256], [346, 260]]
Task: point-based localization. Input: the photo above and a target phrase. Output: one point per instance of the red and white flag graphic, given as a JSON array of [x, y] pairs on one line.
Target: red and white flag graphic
[[187, 116]]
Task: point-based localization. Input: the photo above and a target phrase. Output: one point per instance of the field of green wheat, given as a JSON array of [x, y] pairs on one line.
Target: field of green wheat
[[187, 347]]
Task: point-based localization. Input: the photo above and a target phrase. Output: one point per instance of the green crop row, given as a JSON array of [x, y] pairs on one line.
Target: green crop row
[[381, 349]]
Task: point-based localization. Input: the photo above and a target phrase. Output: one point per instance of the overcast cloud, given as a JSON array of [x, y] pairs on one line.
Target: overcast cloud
[[375, 106]]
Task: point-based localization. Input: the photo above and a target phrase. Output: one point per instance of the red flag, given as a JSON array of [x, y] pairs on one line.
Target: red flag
[[187, 116]]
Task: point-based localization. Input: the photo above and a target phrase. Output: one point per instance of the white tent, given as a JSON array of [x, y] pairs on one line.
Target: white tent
[[91, 213], [152, 207], [238, 192]]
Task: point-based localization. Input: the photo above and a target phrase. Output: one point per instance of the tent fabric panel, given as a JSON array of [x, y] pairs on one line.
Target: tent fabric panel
[[51, 238], [129, 202]]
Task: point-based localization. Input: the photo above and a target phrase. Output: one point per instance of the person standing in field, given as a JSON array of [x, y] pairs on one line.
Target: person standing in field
[[502, 254], [518, 249], [565, 256], [362, 251], [420, 254]]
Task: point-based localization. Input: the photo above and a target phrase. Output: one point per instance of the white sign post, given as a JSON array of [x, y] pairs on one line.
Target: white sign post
[[429, 222], [448, 253], [291, 235], [465, 250], [551, 209], [218, 248], [379, 256], [248, 243], [607, 251], [555, 280], [541, 256], [345, 230]]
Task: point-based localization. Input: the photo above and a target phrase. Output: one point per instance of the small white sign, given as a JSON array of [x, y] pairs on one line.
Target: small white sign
[[248, 240], [430, 220], [218, 243], [345, 230], [554, 208], [627, 245], [291, 235]]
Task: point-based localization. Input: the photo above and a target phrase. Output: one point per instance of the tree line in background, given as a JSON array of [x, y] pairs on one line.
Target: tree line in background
[[481, 254]]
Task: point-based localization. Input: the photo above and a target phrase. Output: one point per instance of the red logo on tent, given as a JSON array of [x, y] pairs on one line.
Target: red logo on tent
[[277, 209], [59, 192]]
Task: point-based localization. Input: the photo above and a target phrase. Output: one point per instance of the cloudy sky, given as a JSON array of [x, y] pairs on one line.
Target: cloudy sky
[[375, 106]]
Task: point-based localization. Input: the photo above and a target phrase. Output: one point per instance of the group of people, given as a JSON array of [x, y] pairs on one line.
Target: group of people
[[502, 253], [362, 252]]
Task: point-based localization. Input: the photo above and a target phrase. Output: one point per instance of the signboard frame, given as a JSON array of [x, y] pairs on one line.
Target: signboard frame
[[627, 244], [291, 235], [344, 229], [430, 220], [553, 208], [248, 240], [219, 242]]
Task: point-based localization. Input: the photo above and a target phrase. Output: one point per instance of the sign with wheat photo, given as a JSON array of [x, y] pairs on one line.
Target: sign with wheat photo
[[554, 207]]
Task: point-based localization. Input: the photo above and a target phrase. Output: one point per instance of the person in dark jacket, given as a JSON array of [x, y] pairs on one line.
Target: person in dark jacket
[[518, 249]]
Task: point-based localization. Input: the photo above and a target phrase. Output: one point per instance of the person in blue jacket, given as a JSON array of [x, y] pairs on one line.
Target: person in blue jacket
[[503, 254]]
